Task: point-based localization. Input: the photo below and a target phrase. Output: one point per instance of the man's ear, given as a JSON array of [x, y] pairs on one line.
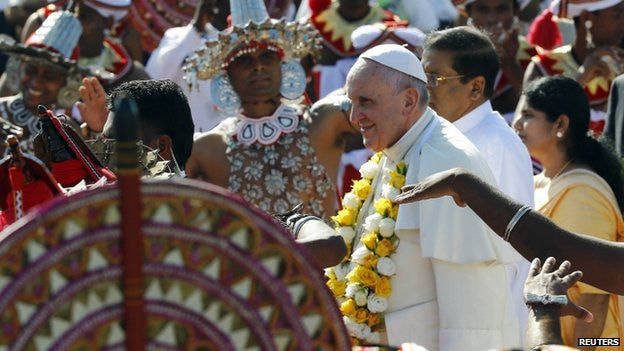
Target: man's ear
[[165, 146], [411, 97], [477, 88]]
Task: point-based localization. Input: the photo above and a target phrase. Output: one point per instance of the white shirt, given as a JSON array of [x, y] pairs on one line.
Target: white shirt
[[166, 62], [450, 291], [502, 149], [511, 165]]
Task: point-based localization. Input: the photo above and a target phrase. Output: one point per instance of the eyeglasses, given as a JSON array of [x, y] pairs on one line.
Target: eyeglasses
[[433, 79]]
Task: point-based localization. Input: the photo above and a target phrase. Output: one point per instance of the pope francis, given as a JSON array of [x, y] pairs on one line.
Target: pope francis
[[428, 272]]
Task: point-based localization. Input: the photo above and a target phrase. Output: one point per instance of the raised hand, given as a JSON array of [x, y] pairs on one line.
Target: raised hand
[[546, 280], [93, 107]]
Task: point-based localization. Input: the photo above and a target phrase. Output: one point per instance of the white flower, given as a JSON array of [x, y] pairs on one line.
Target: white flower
[[329, 271], [347, 234], [352, 289], [350, 200], [386, 227], [361, 298], [376, 304], [371, 223], [359, 330], [389, 192], [341, 271], [386, 266], [369, 170], [374, 338], [360, 254]]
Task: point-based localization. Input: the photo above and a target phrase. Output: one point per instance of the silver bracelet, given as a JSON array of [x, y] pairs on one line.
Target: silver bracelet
[[514, 220], [546, 299]]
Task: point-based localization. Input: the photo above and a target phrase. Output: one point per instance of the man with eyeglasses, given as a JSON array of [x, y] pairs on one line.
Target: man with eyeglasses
[[461, 66]]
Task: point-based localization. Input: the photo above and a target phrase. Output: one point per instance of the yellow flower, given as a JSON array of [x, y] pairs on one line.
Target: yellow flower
[[361, 188], [383, 287], [397, 180], [384, 248], [338, 287], [348, 307], [345, 217], [376, 157], [373, 319], [369, 240], [394, 211], [383, 207], [370, 261], [363, 275], [361, 315]]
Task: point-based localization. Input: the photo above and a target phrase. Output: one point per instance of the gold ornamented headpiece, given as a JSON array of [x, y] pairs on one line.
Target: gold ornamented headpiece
[[251, 26]]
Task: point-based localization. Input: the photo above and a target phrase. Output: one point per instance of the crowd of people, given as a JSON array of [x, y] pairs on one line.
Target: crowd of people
[[340, 118]]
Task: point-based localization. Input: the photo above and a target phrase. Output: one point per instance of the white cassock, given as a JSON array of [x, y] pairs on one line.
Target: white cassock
[[166, 62], [509, 161], [450, 292]]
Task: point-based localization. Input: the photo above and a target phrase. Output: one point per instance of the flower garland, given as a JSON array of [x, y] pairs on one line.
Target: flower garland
[[361, 283]]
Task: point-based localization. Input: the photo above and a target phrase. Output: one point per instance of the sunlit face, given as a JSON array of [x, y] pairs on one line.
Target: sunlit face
[[376, 108], [256, 76], [451, 98], [487, 14], [41, 83], [608, 25], [536, 131]]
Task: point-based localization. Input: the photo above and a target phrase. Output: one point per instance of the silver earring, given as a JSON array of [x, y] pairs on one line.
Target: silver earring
[[69, 94], [224, 96], [13, 74], [589, 40], [559, 135], [293, 80]]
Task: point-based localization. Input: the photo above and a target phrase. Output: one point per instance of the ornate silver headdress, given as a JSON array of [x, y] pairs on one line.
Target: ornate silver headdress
[[250, 24]]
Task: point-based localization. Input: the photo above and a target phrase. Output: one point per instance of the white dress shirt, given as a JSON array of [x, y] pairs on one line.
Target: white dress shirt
[[510, 163]]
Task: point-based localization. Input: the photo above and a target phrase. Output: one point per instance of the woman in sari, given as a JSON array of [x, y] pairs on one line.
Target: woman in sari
[[580, 189]]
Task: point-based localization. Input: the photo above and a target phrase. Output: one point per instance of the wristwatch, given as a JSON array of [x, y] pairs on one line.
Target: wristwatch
[[546, 299]]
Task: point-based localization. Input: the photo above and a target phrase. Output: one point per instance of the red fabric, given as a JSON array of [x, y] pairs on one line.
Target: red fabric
[[33, 194], [597, 127], [69, 173], [350, 175], [544, 32], [16, 178], [317, 6], [3, 221]]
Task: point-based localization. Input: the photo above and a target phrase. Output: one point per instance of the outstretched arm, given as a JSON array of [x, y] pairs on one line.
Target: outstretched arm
[[534, 235]]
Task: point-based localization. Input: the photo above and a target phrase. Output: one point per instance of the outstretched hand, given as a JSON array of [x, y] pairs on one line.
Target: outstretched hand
[[93, 105], [432, 187], [545, 279]]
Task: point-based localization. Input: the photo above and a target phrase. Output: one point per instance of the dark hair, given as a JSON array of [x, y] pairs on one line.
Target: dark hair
[[164, 109], [473, 53], [558, 95]]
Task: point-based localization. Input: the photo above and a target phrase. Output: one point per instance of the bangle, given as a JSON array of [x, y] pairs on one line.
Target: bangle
[[546, 299], [514, 220], [298, 222]]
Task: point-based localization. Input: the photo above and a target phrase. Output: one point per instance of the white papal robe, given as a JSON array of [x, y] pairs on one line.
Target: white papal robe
[[450, 292]]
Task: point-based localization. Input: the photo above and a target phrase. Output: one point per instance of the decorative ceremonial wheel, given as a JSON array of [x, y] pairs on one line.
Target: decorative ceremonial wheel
[[219, 275]]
